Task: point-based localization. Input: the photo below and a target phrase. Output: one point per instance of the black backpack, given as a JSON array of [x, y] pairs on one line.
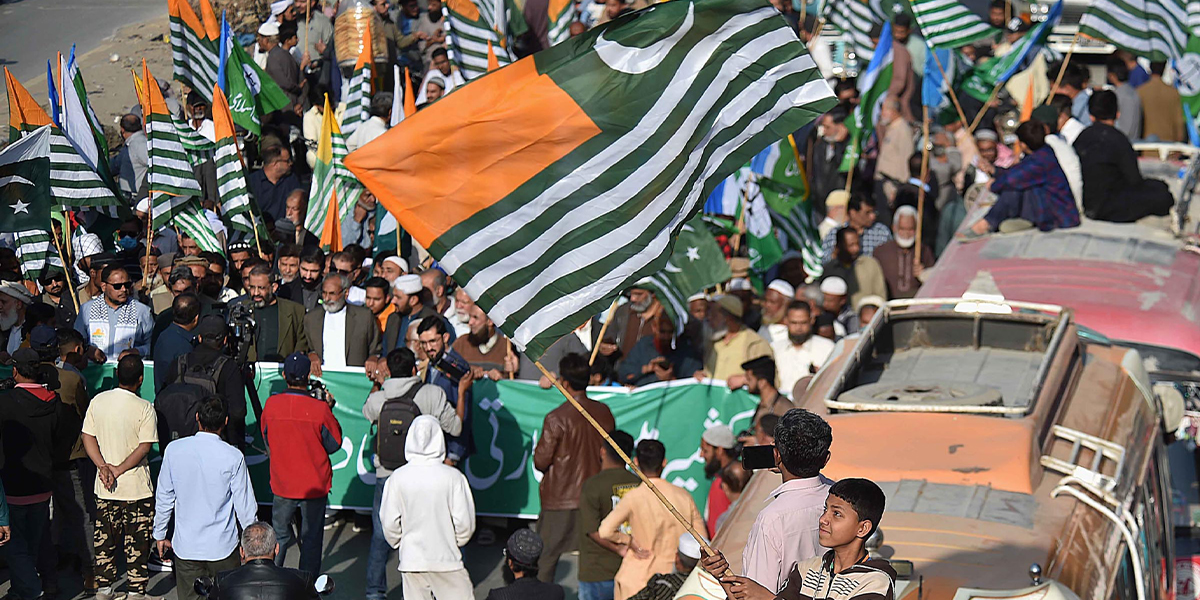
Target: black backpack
[[395, 417], [177, 402]]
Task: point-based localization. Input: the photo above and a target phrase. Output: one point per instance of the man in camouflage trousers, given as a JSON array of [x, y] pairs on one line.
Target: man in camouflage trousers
[[118, 430]]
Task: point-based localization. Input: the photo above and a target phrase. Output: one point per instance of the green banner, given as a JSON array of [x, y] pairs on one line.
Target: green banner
[[507, 419]]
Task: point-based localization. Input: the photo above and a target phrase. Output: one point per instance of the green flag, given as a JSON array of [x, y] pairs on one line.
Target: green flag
[[1187, 78], [251, 92], [697, 263], [25, 199], [989, 74]]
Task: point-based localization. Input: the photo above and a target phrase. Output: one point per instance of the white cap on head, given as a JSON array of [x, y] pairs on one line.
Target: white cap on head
[[277, 8], [143, 205], [739, 284], [719, 435], [689, 547], [695, 297], [399, 262], [834, 286], [872, 300], [409, 284], [269, 29], [782, 287]]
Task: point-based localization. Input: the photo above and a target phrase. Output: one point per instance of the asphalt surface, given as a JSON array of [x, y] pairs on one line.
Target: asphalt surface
[[345, 560], [32, 31]]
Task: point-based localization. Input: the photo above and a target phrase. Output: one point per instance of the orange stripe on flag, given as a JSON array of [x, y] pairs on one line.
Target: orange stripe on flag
[[139, 87], [493, 64], [22, 108], [466, 8], [364, 55], [410, 101], [212, 27], [222, 118], [557, 7], [183, 10], [331, 234], [454, 138], [154, 97], [1027, 106]]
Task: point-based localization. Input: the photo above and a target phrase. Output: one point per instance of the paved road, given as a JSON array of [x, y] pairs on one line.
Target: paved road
[[345, 559], [32, 31]]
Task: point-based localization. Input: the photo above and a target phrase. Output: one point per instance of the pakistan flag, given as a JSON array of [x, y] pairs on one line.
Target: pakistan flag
[[25, 199], [696, 263]]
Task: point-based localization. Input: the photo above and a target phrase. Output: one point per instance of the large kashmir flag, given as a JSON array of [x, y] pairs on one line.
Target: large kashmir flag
[[194, 49], [566, 176], [73, 182], [25, 200], [1155, 29]]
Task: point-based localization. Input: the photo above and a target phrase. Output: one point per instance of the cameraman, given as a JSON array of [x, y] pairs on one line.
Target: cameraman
[[301, 432], [259, 578], [227, 378]]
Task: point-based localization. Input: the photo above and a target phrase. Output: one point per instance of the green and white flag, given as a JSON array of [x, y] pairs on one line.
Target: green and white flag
[[780, 180], [330, 175], [170, 178], [697, 263], [855, 19], [79, 122], [872, 88], [231, 175], [198, 147], [358, 92], [195, 57], [578, 166], [191, 220], [251, 92], [562, 14], [26, 201], [989, 74], [949, 24], [473, 23], [1154, 29]]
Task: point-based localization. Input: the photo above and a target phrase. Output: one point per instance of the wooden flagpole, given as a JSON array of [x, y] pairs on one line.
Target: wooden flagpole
[[983, 111], [68, 267], [612, 310], [708, 551], [1062, 68], [924, 175]]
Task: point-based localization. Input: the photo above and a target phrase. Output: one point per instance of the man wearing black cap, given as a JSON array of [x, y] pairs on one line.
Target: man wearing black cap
[[37, 430], [209, 358], [301, 432], [521, 555]]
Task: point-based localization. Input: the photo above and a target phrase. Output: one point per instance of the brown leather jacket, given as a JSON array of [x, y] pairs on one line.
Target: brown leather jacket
[[568, 452]]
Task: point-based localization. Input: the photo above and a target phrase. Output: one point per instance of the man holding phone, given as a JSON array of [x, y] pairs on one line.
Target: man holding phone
[[786, 531]]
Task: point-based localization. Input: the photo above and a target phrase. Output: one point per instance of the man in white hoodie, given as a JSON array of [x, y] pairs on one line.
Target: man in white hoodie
[[427, 513]]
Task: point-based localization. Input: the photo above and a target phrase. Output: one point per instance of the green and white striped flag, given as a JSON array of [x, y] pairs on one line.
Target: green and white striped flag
[[25, 199], [198, 147], [472, 24], [562, 14], [231, 175], [190, 219], [949, 24], [696, 264], [358, 93], [195, 56], [1155, 29], [855, 19], [571, 172], [79, 122], [171, 180], [330, 174]]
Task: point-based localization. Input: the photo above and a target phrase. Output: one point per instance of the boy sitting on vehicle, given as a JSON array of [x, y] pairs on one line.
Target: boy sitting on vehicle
[[852, 513]]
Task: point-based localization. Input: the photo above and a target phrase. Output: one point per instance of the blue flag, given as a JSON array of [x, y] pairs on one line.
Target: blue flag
[[55, 110], [226, 35], [933, 87]]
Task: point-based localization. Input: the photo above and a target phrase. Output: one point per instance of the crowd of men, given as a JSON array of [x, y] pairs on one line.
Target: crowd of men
[[382, 304]]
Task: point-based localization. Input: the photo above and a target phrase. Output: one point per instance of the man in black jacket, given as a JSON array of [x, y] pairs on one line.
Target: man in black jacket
[[521, 555], [259, 578], [37, 430], [1113, 187], [230, 386]]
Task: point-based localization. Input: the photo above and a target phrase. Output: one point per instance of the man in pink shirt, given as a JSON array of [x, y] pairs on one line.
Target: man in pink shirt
[[786, 531]]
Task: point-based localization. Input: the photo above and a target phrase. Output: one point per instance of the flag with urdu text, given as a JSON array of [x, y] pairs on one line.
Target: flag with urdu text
[[250, 91], [194, 55], [330, 174], [948, 24], [565, 176], [236, 204], [1154, 29], [474, 23], [25, 200], [170, 178], [696, 263], [73, 182], [358, 92], [985, 76]]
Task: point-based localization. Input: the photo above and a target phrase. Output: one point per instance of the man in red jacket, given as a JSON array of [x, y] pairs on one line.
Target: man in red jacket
[[301, 432]]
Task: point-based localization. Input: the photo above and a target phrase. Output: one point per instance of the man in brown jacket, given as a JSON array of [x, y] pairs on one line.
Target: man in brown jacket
[[567, 453], [1162, 110]]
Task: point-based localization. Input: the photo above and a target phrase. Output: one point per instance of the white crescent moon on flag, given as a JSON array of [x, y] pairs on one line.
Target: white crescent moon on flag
[[7, 179], [636, 61]]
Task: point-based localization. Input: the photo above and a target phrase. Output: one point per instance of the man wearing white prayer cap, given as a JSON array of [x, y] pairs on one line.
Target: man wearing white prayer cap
[[775, 301], [410, 309], [835, 301], [14, 297], [665, 585], [698, 306], [280, 11], [268, 37], [393, 267]]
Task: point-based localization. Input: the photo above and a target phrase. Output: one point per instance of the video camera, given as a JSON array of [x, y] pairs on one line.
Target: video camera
[[318, 390], [242, 328]]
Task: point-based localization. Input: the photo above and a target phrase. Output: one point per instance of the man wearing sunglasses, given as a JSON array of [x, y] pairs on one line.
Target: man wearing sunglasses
[[114, 322]]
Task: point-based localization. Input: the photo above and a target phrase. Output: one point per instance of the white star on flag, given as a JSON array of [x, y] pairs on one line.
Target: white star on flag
[[20, 207], [693, 254]]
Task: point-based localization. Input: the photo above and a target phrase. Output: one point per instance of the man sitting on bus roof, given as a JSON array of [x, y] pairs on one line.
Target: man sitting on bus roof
[[786, 530]]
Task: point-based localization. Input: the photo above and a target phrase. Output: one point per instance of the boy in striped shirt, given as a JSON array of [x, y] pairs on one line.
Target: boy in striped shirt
[[846, 572]]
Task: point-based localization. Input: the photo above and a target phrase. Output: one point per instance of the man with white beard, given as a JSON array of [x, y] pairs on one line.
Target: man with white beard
[[14, 298], [341, 335], [898, 257]]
